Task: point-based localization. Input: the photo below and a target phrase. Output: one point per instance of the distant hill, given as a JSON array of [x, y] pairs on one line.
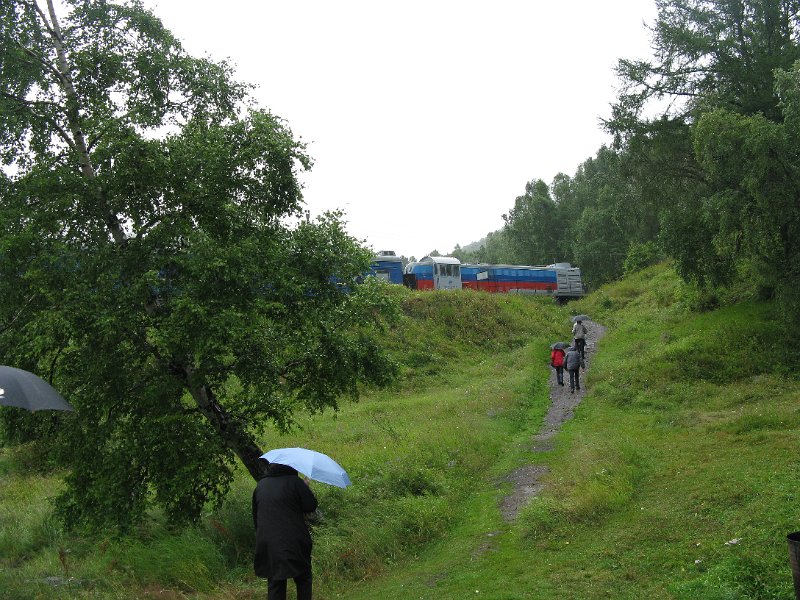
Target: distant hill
[[473, 246]]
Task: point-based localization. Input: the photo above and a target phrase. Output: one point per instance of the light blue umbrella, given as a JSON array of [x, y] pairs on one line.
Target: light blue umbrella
[[314, 465]]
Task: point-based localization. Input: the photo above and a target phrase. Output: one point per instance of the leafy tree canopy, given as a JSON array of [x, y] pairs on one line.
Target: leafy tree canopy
[[148, 265], [702, 129]]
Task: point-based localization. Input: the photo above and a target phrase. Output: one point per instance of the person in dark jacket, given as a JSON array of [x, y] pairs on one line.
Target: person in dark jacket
[[573, 361], [283, 544]]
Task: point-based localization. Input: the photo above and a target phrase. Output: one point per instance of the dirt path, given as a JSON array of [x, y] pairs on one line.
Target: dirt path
[[562, 407]]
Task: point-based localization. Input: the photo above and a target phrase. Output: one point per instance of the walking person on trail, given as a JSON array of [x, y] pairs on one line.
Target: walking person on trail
[[557, 362], [579, 332], [574, 363], [283, 544]]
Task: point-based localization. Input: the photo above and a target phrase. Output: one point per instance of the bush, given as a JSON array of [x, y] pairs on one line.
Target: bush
[[640, 256]]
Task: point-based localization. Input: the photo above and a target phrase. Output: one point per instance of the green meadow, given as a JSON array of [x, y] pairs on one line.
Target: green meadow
[[677, 478]]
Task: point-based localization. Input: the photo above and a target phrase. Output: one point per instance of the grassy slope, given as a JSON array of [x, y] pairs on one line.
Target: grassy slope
[[685, 441], [473, 380]]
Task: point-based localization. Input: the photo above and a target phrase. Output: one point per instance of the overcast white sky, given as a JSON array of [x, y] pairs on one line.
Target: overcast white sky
[[425, 119]]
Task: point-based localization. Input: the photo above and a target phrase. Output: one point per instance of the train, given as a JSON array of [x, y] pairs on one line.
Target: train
[[561, 281]]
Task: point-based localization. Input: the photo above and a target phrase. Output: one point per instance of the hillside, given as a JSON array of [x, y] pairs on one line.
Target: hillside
[[675, 479]]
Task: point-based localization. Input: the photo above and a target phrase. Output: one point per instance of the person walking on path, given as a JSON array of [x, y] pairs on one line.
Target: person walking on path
[[579, 332], [574, 363], [557, 362], [283, 543]]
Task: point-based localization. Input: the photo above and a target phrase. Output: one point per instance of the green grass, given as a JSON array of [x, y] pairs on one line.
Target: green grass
[[685, 443]]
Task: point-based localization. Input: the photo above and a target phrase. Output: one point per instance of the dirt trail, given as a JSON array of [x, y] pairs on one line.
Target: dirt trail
[[562, 407]]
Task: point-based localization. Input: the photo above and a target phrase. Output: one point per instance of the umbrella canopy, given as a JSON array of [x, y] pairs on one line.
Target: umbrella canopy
[[25, 390], [559, 346], [577, 318], [314, 465]]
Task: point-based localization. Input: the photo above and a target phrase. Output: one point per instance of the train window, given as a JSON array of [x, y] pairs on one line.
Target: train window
[[456, 271]]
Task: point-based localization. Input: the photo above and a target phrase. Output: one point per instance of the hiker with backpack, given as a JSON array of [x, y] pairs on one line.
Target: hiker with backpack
[[579, 332]]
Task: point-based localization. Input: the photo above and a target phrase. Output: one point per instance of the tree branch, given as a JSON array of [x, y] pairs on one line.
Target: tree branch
[[52, 122], [18, 315], [73, 118]]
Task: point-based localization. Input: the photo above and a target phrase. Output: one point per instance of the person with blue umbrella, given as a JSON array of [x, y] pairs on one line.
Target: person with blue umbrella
[[281, 501]]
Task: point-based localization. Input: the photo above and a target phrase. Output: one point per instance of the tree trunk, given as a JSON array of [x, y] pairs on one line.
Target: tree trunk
[[229, 429], [78, 138]]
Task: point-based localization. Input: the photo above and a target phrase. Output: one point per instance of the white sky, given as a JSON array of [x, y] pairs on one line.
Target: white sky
[[425, 119]]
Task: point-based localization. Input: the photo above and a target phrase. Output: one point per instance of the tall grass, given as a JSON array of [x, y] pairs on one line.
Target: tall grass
[[677, 477], [474, 372]]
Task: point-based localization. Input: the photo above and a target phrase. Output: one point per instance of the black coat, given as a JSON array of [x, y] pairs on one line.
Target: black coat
[[283, 544]]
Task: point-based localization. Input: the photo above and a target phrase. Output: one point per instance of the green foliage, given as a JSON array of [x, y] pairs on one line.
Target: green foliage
[[704, 164], [752, 163], [149, 266], [640, 256], [532, 226], [589, 219], [719, 159]]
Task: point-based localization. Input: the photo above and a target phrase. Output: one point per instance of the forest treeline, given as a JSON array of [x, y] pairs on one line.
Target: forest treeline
[[704, 166]]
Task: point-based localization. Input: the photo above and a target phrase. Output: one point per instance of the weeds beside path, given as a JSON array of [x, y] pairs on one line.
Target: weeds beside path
[[562, 406]]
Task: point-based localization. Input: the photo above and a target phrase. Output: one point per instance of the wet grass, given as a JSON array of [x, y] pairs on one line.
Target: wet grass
[[677, 478], [414, 452]]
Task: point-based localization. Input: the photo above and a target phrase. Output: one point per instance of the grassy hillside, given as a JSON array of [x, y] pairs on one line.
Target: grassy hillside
[[677, 478], [474, 371]]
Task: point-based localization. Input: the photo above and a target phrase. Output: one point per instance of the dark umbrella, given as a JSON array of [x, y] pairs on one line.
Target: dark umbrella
[[559, 345], [25, 390], [577, 318]]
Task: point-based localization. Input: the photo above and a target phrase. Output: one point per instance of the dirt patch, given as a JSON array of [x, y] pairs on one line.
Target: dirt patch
[[562, 408]]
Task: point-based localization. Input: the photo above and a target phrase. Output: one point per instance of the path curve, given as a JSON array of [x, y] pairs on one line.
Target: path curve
[[562, 408]]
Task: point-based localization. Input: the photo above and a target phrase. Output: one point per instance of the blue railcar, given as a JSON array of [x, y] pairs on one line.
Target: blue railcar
[[388, 266]]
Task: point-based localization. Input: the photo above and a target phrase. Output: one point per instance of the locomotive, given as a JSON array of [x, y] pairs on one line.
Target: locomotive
[[562, 281]]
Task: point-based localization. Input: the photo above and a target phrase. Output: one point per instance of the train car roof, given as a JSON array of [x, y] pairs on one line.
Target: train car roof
[[387, 258], [532, 267], [447, 260]]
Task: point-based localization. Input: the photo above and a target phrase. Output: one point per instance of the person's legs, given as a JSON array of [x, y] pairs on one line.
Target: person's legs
[[571, 380], [577, 379], [560, 375], [581, 344], [276, 589], [303, 583]]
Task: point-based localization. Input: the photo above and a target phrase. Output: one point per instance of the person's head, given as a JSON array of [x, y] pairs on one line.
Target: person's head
[[277, 469]]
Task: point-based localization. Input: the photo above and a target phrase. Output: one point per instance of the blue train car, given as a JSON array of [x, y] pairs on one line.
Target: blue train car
[[560, 280], [469, 275], [388, 266]]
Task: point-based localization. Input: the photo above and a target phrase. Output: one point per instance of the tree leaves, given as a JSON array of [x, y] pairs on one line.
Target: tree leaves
[[148, 262]]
